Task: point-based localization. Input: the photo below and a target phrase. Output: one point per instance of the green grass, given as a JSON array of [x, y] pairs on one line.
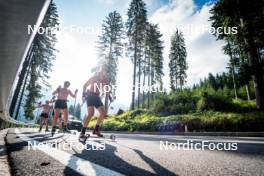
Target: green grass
[[143, 120]]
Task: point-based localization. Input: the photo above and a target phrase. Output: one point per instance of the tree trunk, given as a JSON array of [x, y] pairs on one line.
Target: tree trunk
[[243, 61], [176, 77], [149, 82], [139, 82], [134, 78], [19, 85], [234, 81], [232, 69], [247, 91], [152, 81], [106, 103], [144, 80], [257, 75]]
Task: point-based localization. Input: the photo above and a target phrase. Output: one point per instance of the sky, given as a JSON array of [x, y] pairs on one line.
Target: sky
[[78, 54]]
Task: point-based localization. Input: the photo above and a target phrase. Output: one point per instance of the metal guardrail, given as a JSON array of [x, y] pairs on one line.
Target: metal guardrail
[[8, 122]]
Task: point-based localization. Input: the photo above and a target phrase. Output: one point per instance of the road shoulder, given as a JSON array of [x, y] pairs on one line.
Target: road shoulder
[[4, 164]]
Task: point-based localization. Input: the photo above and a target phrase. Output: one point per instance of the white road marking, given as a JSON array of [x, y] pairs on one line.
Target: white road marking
[[80, 165]]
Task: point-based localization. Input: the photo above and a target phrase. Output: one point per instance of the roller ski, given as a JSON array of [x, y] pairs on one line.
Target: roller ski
[[96, 134]]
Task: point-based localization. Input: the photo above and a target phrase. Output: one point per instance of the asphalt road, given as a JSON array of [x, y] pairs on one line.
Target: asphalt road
[[132, 154]]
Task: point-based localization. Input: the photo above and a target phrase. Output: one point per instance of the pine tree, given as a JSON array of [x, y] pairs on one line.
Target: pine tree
[[19, 89], [177, 63], [110, 48], [136, 24], [153, 66], [33, 89], [212, 81], [229, 50], [43, 54], [157, 56]]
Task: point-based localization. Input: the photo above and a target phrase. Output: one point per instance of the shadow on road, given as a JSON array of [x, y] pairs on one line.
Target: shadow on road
[[108, 158], [154, 165]]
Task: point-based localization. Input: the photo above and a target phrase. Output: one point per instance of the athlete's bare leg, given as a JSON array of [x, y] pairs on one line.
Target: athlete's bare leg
[[65, 116], [46, 123], [55, 118], [54, 121], [60, 122], [101, 117], [90, 111], [100, 120], [41, 124], [86, 121]]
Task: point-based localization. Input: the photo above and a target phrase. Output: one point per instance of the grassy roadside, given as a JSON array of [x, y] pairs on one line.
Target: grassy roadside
[[211, 121]]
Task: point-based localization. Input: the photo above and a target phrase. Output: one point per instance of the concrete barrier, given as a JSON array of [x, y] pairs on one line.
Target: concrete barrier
[[4, 164]]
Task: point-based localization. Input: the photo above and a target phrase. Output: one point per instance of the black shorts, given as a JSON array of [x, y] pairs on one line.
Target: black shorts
[[45, 115], [61, 104], [94, 100]]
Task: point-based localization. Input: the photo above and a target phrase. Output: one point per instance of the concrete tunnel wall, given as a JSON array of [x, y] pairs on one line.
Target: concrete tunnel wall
[[15, 16]]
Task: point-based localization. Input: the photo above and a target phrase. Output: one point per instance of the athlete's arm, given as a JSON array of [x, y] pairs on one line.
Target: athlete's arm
[[73, 95]]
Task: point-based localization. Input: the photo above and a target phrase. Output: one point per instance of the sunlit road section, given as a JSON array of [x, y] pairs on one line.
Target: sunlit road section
[[34, 153]]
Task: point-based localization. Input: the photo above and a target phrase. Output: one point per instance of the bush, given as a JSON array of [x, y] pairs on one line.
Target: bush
[[112, 125], [178, 102], [203, 121], [213, 102], [132, 114], [226, 104], [250, 121]]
